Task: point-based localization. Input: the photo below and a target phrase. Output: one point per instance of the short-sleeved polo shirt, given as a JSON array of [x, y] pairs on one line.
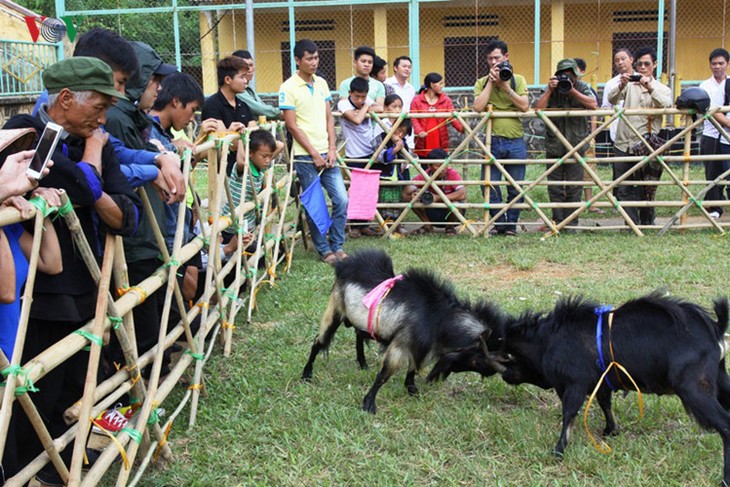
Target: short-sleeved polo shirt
[[309, 103], [500, 99], [375, 88]]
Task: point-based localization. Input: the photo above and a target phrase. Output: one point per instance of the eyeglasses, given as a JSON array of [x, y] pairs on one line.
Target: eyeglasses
[[644, 63]]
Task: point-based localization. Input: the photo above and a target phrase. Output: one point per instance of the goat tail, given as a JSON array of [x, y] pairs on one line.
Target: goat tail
[[721, 310]]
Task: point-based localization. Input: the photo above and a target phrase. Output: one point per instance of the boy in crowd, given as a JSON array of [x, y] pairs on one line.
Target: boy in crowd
[[225, 105], [455, 193], [263, 148], [363, 64], [357, 130]]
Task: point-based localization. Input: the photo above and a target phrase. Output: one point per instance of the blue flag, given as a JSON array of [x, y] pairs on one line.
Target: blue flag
[[313, 200]]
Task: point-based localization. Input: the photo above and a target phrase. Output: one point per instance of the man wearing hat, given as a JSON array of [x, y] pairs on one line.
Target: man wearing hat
[[565, 90], [81, 89]]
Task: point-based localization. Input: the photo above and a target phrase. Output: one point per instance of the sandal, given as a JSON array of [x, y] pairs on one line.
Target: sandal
[[369, 232], [329, 258], [450, 231], [510, 233], [422, 230], [341, 255]]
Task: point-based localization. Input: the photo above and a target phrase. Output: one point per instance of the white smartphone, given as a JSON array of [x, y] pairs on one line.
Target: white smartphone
[[44, 150]]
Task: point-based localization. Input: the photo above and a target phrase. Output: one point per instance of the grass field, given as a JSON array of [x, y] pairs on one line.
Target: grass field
[[260, 425]]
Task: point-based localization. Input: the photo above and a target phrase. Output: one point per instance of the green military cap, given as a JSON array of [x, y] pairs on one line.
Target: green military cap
[[81, 74], [568, 64]]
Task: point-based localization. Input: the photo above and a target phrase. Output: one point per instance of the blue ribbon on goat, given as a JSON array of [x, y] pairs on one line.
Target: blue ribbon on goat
[[600, 311]]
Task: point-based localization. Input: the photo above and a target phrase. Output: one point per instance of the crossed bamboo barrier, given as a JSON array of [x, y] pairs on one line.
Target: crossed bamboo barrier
[[480, 137], [218, 308]]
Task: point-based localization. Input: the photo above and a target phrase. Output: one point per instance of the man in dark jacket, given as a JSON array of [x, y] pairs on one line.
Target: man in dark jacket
[[81, 89], [128, 122]]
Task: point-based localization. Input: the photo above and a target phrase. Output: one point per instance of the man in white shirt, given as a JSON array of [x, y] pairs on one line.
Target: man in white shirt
[[402, 67], [712, 142], [623, 60]]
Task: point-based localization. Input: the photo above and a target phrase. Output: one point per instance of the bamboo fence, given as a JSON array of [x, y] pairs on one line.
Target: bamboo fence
[[474, 151], [218, 308]]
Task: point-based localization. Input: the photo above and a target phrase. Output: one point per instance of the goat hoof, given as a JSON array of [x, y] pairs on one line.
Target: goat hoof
[[307, 377], [364, 367], [369, 407], [558, 454], [611, 432], [412, 390]]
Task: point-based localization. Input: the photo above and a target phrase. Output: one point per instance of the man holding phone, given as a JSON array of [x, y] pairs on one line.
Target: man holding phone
[[643, 91], [85, 166]]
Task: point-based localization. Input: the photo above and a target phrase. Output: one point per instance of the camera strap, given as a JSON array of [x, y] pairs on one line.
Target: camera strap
[[727, 91]]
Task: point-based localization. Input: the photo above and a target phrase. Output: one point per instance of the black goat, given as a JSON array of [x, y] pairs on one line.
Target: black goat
[[420, 318], [668, 346]]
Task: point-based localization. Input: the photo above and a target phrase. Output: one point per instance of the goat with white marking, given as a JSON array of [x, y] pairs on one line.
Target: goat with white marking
[[416, 316]]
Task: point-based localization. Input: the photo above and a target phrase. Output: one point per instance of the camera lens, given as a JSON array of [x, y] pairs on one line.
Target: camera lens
[[505, 71], [427, 198], [564, 83]]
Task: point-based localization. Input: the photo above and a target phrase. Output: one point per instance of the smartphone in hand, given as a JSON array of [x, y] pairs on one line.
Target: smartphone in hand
[[44, 150]]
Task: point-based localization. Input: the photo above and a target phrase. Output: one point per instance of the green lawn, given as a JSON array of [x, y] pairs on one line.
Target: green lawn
[[260, 425]]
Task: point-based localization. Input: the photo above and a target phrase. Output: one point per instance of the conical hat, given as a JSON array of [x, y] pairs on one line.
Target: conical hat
[[15, 140]]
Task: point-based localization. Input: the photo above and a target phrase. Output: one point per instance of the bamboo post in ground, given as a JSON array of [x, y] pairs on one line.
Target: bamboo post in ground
[[282, 221], [487, 167], [259, 242], [92, 370], [10, 381], [214, 184], [685, 166]]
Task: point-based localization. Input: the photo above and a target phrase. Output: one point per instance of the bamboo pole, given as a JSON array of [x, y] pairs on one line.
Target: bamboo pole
[[260, 240], [92, 370], [10, 381]]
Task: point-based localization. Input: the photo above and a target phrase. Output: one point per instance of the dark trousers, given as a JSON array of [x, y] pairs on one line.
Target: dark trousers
[[565, 193], [632, 192], [57, 390], [714, 168]]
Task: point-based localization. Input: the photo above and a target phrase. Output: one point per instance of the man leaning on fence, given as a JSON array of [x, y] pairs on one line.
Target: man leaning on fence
[[712, 142], [647, 92], [565, 90], [506, 92], [304, 100], [80, 91]]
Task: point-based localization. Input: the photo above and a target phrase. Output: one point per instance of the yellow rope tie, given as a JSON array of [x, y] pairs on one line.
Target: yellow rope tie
[[163, 441], [377, 312], [116, 442], [463, 226], [226, 325], [195, 387], [603, 446], [385, 223], [142, 293], [288, 261], [203, 305], [135, 377], [271, 270]]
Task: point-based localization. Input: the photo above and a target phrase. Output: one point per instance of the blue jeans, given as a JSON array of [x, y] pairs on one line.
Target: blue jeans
[[333, 183], [504, 148]]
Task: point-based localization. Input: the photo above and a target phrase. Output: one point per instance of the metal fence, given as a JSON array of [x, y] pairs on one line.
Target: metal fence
[[21, 65], [443, 36]]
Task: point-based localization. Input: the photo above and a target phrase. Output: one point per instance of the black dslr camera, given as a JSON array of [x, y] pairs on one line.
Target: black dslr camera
[[427, 198], [565, 84], [505, 71], [635, 78]]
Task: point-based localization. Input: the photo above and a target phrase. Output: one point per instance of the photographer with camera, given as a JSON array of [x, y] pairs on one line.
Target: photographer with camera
[[639, 91], [565, 90], [506, 92]]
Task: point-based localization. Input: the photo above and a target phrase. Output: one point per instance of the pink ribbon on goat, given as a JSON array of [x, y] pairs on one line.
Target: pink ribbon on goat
[[372, 299]]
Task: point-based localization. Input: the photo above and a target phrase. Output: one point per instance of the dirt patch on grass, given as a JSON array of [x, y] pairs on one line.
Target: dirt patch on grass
[[543, 272], [268, 325]]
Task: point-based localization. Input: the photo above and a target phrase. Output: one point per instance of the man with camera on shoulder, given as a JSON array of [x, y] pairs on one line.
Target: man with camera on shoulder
[[506, 92], [565, 90], [639, 91]]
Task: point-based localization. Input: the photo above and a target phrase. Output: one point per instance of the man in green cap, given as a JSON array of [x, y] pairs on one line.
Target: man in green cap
[[565, 90], [81, 89]]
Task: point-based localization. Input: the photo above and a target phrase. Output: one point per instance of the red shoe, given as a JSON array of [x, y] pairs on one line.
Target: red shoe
[[113, 420]]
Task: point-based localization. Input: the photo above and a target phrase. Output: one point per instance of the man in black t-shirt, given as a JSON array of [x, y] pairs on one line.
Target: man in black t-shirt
[[225, 105]]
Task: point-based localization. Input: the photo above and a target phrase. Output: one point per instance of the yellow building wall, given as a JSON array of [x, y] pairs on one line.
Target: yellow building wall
[[587, 31], [14, 27]]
